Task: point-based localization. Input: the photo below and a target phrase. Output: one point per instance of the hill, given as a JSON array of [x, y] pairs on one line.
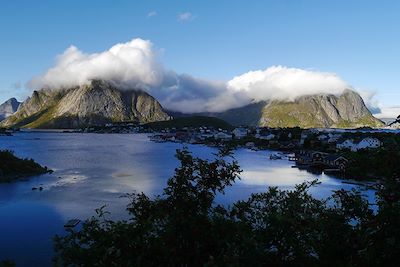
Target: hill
[[12, 167]]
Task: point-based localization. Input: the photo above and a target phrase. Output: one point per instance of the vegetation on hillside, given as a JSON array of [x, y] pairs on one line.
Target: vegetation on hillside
[[192, 121], [375, 163], [12, 167], [185, 227]]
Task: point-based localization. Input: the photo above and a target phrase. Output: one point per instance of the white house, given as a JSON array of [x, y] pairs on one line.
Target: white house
[[304, 135], [265, 137], [322, 137], [240, 132], [334, 137], [369, 142], [366, 143], [222, 135], [347, 144], [250, 144]]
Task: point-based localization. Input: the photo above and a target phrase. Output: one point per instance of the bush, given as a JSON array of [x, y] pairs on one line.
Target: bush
[[185, 227]]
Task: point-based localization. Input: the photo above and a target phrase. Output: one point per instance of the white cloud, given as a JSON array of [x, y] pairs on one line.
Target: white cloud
[[152, 14], [388, 112], [185, 93], [135, 65], [127, 64], [370, 100], [186, 16], [282, 83]]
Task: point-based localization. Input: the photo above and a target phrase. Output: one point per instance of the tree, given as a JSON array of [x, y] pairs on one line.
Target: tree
[[185, 227]]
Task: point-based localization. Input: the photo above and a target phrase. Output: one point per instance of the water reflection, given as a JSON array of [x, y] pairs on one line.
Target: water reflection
[[91, 170]]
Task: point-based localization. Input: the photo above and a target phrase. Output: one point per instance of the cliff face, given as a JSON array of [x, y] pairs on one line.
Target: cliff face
[[96, 103], [8, 108], [345, 111], [328, 111]]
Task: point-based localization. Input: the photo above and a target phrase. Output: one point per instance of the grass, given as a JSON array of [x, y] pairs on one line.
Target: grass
[[289, 115]]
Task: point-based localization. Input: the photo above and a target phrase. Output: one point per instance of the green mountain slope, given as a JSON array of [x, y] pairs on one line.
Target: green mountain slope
[[347, 110]]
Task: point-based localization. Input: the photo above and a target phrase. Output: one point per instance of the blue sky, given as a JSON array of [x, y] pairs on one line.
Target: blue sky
[[357, 40]]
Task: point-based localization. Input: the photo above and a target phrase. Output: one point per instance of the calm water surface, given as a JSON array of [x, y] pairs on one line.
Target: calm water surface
[[91, 170]]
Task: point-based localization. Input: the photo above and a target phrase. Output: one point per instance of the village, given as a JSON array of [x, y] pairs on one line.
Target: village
[[311, 149], [315, 150]]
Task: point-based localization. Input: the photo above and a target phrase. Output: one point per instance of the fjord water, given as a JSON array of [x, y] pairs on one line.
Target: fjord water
[[91, 170]]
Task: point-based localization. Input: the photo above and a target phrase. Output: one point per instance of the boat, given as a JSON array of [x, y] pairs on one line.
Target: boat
[[275, 156], [72, 223], [332, 170]]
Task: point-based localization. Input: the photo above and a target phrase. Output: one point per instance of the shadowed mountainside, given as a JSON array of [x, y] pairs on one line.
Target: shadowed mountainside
[[96, 103], [8, 108]]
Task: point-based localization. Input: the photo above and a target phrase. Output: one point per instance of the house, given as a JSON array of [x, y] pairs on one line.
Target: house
[[366, 143], [240, 132], [288, 145], [336, 161], [222, 136], [347, 144], [265, 137], [304, 135], [250, 145], [333, 138], [323, 138], [314, 157], [318, 157]]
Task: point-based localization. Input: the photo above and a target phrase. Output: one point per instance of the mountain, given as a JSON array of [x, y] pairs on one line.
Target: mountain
[[347, 110], [8, 108], [96, 103]]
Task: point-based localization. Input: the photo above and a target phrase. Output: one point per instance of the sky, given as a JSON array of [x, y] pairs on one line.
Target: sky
[[207, 42]]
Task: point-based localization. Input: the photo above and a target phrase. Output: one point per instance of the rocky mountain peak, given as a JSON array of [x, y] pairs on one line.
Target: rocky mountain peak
[[95, 103], [8, 108], [347, 110]]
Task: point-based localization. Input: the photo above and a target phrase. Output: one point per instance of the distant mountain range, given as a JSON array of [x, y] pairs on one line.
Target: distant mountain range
[[100, 102], [96, 103], [8, 108]]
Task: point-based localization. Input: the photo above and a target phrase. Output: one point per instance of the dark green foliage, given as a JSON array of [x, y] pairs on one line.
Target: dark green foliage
[[6, 263], [185, 227], [372, 164], [12, 167]]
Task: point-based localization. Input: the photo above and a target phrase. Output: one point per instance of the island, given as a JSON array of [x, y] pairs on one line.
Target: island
[[13, 168]]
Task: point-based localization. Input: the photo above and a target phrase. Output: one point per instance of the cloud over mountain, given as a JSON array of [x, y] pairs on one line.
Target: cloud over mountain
[[282, 83], [134, 64]]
